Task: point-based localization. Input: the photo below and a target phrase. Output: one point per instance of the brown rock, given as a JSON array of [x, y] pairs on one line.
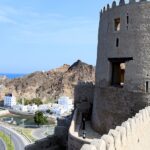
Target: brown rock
[[52, 84]]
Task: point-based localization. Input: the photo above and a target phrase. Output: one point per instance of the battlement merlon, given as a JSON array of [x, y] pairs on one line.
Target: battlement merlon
[[121, 3]]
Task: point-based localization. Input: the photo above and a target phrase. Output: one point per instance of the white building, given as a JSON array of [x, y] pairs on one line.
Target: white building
[[9, 100], [66, 102], [44, 107], [20, 107], [57, 109], [32, 108], [64, 105], [26, 108]]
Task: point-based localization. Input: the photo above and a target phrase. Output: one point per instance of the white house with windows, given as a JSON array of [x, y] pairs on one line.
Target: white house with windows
[[66, 102], [9, 100], [25, 108], [32, 108], [64, 105], [20, 107], [44, 107], [57, 109]]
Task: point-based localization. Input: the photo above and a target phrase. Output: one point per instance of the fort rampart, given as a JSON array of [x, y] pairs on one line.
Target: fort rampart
[[123, 68], [132, 134], [84, 92], [74, 141], [122, 85], [83, 96]]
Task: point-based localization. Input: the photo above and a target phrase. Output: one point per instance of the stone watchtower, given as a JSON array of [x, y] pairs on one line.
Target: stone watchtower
[[123, 64]]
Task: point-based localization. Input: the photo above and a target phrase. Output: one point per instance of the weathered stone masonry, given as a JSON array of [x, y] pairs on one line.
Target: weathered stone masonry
[[133, 134], [122, 85], [124, 39]]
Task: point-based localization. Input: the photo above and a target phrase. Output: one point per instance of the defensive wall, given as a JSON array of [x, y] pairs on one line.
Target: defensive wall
[[83, 101], [128, 43], [132, 134], [83, 96], [123, 40], [84, 92], [74, 141], [122, 85]]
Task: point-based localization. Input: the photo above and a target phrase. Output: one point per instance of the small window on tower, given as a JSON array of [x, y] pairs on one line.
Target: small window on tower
[[127, 19], [118, 67], [118, 72], [117, 24], [147, 87], [117, 42]]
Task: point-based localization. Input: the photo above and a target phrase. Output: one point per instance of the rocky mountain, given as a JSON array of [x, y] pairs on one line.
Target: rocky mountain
[[52, 84]]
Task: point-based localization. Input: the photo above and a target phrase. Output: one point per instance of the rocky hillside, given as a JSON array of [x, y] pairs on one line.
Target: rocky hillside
[[52, 84]]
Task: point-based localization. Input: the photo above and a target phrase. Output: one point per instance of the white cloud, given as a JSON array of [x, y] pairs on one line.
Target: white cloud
[[48, 27], [4, 19], [6, 14]]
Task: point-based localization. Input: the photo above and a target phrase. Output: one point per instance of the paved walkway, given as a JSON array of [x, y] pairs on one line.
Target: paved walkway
[[2, 145], [90, 133]]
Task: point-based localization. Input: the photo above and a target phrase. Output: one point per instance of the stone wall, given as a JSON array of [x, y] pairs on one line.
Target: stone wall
[[74, 141], [62, 129], [111, 101], [84, 95], [49, 143], [115, 105], [133, 38], [132, 134]]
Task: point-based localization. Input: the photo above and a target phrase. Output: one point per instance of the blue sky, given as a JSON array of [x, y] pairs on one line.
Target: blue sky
[[44, 34]]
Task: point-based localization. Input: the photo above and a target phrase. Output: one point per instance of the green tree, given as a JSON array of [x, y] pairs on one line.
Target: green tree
[[40, 119], [49, 111], [26, 101], [37, 101]]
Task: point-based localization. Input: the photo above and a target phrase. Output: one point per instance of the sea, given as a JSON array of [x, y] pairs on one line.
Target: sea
[[12, 75]]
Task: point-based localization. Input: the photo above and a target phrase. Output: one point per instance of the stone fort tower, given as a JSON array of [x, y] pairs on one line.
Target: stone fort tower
[[122, 85]]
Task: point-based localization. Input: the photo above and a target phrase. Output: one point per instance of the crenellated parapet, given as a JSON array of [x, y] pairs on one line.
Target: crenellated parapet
[[121, 3], [131, 1], [132, 134], [89, 84], [114, 4]]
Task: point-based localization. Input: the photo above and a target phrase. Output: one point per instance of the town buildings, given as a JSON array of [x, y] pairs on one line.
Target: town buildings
[[64, 106], [9, 100]]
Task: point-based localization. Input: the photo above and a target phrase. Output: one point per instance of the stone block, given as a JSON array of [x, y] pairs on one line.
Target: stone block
[[88, 147]]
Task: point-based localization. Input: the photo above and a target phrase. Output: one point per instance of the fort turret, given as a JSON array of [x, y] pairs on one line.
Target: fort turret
[[122, 85]]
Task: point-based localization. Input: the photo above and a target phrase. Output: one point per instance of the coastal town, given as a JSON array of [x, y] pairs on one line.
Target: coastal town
[[19, 118], [64, 106], [39, 106]]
